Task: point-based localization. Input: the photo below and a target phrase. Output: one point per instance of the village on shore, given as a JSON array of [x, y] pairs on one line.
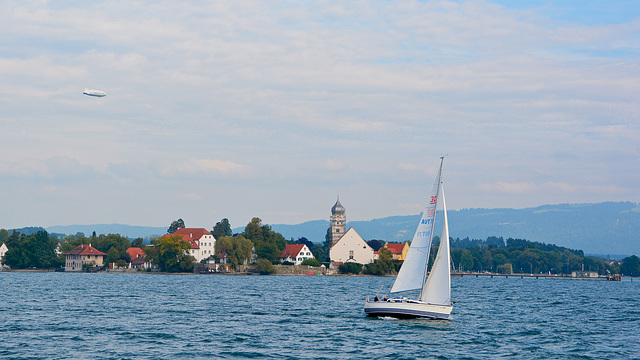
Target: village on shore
[[260, 250]]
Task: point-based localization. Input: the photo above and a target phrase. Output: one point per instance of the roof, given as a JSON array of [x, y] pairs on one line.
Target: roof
[[85, 250], [191, 235], [194, 233], [136, 253], [395, 248], [337, 209], [351, 234], [291, 251]]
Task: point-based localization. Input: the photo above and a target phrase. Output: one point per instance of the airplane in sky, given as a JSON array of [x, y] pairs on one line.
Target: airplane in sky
[[96, 93]]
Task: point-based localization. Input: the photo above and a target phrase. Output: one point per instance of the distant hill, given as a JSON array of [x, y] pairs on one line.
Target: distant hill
[[604, 228], [124, 230]]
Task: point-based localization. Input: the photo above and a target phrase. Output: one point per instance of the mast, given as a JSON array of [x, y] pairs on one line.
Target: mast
[[413, 272], [433, 224]]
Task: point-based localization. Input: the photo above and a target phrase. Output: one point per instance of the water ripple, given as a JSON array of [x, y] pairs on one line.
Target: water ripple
[[143, 316]]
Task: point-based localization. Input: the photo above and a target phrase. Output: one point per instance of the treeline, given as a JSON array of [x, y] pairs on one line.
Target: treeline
[[497, 255], [40, 250], [522, 256]]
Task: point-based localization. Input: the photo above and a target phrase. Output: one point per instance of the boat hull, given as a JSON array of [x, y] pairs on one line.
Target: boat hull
[[407, 309]]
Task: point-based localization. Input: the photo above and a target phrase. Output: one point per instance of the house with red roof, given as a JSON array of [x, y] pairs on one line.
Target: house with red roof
[[201, 241], [137, 257], [81, 255], [296, 253], [398, 250]]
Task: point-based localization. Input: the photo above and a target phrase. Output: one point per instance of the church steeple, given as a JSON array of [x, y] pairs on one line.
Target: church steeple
[[338, 221]]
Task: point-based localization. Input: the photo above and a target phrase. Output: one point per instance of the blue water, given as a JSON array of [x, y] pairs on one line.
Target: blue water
[[147, 316]]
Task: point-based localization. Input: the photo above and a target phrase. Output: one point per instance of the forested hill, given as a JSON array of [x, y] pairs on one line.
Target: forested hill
[[603, 228]]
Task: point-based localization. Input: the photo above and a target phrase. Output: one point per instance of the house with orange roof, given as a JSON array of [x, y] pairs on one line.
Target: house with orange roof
[[201, 241], [296, 253], [137, 257], [398, 250], [83, 255]]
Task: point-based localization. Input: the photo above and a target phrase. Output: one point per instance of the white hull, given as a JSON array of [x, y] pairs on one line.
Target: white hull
[[407, 309]]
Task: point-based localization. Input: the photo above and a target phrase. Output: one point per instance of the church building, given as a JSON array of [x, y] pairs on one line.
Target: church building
[[347, 246]]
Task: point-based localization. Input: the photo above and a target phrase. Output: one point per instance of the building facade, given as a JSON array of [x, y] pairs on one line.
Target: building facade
[[201, 241], [3, 250], [351, 248], [83, 255]]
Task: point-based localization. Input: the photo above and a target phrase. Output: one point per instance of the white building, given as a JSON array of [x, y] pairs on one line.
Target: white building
[[3, 250], [202, 242], [296, 253], [351, 248]]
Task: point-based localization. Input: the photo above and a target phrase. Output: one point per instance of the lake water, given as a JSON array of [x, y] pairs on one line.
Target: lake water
[[148, 316]]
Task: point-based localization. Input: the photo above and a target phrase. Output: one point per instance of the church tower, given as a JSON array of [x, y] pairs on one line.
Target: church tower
[[338, 222]]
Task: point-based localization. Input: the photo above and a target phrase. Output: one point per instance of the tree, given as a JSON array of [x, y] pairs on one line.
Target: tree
[[173, 254], [70, 242], [382, 266], [221, 229], [265, 267], [630, 266], [375, 244], [175, 225], [269, 244], [137, 242], [466, 260], [106, 242], [4, 236], [323, 255], [237, 248], [113, 255], [33, 251]]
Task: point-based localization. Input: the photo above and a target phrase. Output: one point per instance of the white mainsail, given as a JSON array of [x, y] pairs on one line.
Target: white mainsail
[[437, 289], [414, 269]]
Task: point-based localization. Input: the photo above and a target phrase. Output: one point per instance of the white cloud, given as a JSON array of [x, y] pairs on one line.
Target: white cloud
[[409, 167], [203, 167], [509, 188], [333, 165], [190, 197]]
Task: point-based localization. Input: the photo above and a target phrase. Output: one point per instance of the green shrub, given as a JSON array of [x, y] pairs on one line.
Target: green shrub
[[350, 268], [310, 262], [265, 267]]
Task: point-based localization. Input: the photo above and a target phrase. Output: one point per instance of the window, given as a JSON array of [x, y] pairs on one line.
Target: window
[[350, 254]]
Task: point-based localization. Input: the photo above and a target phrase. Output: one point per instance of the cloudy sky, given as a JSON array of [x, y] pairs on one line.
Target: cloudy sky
[[240, 109]]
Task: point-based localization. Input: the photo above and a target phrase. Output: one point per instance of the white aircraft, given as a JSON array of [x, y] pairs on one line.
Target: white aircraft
[[96, 93]]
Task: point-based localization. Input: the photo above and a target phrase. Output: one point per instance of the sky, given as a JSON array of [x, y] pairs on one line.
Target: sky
[[270, 109]]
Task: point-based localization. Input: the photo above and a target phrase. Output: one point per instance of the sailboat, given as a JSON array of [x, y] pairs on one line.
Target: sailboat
[[434, 300]]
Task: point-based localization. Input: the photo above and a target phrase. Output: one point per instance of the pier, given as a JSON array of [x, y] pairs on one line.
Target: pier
[[614, 277]]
